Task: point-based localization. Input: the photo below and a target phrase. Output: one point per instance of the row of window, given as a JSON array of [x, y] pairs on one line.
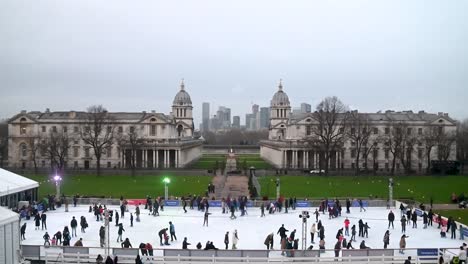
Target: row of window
[[375, 130], [76, 129], [76, 151], [375, 153]]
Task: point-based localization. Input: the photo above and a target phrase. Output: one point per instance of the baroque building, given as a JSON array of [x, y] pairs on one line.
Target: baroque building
[[292, 143], [164, 140]]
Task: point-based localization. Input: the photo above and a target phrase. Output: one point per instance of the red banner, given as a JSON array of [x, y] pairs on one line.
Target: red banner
[[136, 201]]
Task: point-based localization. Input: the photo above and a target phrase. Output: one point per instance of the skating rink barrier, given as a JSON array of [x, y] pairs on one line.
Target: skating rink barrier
[[88, 255]]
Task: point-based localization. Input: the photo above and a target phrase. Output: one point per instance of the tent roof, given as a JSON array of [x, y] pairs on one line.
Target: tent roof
[[12, 183], [7, 216]]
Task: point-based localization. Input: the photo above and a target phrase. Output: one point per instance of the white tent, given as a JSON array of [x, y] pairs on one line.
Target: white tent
[[10, 236], [13, 183]]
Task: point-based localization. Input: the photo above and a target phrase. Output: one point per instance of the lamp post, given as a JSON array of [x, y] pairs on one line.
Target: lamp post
[[277, 187], [390, 192], [57, 180], [304, 216], [166, 188]]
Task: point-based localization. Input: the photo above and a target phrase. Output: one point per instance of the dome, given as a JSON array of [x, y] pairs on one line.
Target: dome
[[182, 97], [280, 98]]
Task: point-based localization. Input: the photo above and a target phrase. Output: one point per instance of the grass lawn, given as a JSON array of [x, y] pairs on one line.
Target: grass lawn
[[420, 188], [208, 161], [460, 215], [116, 185]]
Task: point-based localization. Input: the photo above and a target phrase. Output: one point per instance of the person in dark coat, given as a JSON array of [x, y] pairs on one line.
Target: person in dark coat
[[66, 236], [361, 228], [453, 229], [46, 238], [205, 218], [366, 230], [226, 240], [149, 248], [172, 231], [116, 218], [138, 260], [109, 260], [282, 232], [293, 235], [126, 243], [353, 233], [386, 239], [83, 224], [348, 205], [23, 231], [44, 221], [143, 250], [131, 220], [430, 215], [37, 221], [414, 219], [391, 218], [185, 244], [73, 225], [425, 220], [269, 241], [102, 236], [363, 245], [161, 234], [337, 248], [58, 236], [403, 224], [119, 232]]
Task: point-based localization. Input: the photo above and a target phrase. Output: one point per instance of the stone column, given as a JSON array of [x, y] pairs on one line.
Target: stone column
[[165, 158], [177, 158], [156, 158], [143, 158], [294, 159]]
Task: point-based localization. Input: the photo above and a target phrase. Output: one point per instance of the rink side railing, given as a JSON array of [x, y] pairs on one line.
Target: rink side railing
[[56, 254]]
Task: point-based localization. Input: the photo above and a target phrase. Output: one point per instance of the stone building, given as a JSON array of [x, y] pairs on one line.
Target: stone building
[[290, 136], [165, 140]]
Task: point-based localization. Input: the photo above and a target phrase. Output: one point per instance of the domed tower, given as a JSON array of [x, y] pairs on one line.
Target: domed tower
[[280, 109], [182, 111]]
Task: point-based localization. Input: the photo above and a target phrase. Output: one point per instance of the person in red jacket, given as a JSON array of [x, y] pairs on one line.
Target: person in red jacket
[[149, 247], [346, 225]]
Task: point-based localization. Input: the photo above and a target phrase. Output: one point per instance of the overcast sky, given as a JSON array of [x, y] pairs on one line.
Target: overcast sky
[[131, 55]]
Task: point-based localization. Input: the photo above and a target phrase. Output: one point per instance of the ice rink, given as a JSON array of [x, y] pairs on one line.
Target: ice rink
[[252, 229]]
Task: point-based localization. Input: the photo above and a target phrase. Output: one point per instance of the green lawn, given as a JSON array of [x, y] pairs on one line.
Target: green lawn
[[130, 187], [420, 188], [208, 161], [460, 215]]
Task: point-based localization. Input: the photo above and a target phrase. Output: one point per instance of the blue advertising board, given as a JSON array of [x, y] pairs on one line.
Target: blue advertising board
[[356, 204], [303, 204], [419, 212], [171, 202], [428, 253]]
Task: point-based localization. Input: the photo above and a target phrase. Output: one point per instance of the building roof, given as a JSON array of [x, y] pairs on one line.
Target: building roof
[[182, 97], [280, 98], [7, 216], [12, 183], [81, 116]]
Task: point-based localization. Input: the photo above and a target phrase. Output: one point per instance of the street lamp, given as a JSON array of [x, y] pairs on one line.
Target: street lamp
[[390, 192], [277, 187], [166, 188], [304, 216], [57, 180]]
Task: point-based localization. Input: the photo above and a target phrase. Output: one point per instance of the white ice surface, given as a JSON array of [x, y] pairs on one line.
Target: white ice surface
[[252, 230]]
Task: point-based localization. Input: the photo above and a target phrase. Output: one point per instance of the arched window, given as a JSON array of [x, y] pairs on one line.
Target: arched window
[[24, 150], [23, 126]]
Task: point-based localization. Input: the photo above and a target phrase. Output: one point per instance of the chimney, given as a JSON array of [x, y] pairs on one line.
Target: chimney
[[23, 111], [421, 112], [72, 114], [144, 112], [440, 114], [153, 111], [446, 114], [47, 110]]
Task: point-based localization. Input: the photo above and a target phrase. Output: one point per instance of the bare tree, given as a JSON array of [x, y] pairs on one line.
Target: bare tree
[[393, 141], [131, 141], [55, 147], [98, 132], [359, 132], [462, 143], [329, 133], [35, 145], [445, 144], [430, 139]]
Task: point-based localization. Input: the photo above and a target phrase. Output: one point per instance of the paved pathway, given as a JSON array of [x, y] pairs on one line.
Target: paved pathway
[[231, 185]]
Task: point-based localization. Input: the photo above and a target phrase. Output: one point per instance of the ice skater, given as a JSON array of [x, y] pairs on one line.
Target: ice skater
[[23, 231], [119, 233], [235, 239], [226, 240], [391, 218], [386, 238], [44, 221], [205, 218], [73, 224], [361, 206], [172, 231]]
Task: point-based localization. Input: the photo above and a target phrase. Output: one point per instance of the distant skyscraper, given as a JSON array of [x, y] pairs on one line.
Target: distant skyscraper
[[224, 117], [264, 117], [248, 118], [205, 117], [305, 108], [236, 121], [255, 109]]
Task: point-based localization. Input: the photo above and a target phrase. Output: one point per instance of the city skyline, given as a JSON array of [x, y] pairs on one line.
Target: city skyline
[[58, 55]]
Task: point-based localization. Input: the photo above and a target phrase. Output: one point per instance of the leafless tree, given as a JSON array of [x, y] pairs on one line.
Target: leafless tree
[[445, 144], [394, 141], [98, 132], [55, 147], [35, 146], [462, 142], [131, 141], [359, 132], [329, 133], [430, 138]]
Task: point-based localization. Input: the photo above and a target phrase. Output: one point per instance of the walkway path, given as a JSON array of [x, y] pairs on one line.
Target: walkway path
[[233, 186]]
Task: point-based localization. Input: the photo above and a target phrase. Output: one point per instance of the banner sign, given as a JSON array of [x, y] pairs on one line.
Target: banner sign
[[172, 203], [428, 253], [356, 204], [303, 204], [136, 201]]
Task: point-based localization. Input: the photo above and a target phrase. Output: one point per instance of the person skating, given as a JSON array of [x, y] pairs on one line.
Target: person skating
[[316, 213], [408, 216], [79, 243], [453, 229], [366, 230], [73, 225], [172, 231], [346, 224], [262, 210], [292, 235], [46, 238], [37, 221], [161, 234], [126, 243], [439, 220], [102, 236], [430, 215], [391, 218], [414, 219], [403, 224], [185, 244], [386, 238], [23, 231], [205, 218], [322, 245], [322, 233], [408, 260], [149, 248], [269, 241], [348, 205], [137, 213], [117, 218], [83, 224], [233, 209], [402, 210], [58, 236], [226, 240], [131, 219], [235, 239], [403, 244], [119, 233], [282, 232], [361, 228], [184, 204], [66, 236], [361, 206], [99, 259], [462, 255], [425, 220], [122, 210], [353, 233], [286, 206], [349, 245], [313, 230], [109, 260], [44, 221]]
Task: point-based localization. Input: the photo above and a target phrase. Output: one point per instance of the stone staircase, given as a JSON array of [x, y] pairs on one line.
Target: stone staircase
[[233, 186]]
